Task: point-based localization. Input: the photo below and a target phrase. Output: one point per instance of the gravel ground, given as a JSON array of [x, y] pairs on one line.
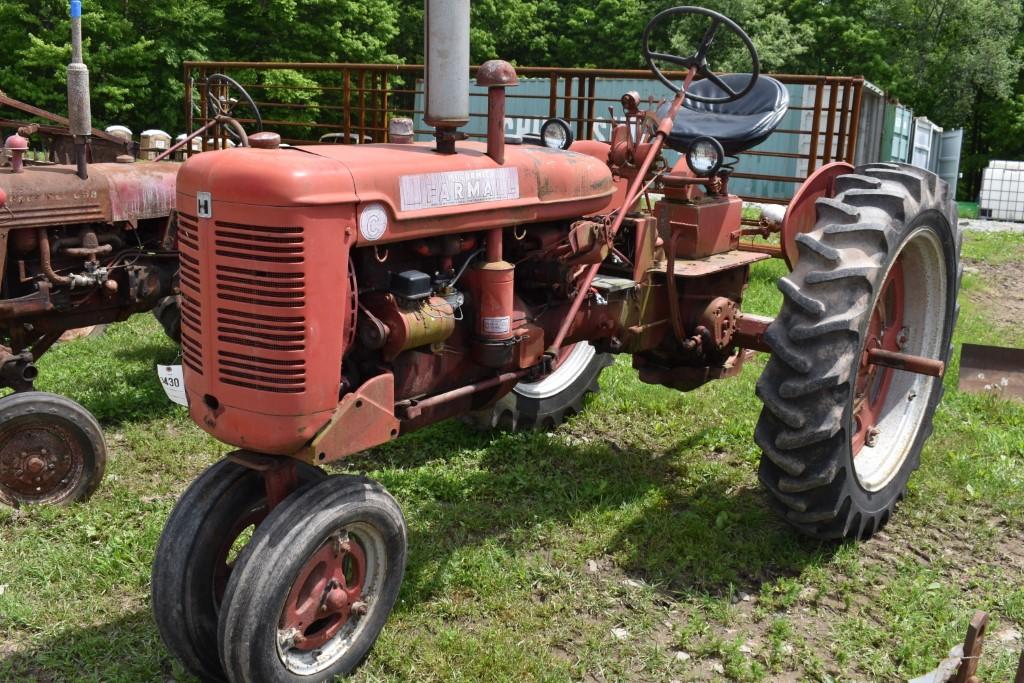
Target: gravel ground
[[990, 226]]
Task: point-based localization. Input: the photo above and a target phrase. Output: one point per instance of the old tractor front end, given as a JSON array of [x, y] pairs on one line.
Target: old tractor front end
[[88, 236], [337, 297]]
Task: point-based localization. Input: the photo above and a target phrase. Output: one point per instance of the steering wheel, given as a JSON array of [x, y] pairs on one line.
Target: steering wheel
[[699, 59], [223, 96]]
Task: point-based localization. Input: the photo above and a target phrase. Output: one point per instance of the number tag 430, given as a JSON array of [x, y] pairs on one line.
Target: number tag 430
[[173, 381]]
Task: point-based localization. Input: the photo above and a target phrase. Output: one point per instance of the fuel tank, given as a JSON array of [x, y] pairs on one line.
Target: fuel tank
[[43, 196], [409, 191]]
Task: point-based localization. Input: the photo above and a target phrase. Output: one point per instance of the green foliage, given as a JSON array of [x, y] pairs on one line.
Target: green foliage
[[135, 50], [955, 61]]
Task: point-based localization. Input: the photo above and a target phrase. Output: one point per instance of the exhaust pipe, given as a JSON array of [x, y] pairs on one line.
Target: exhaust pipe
[[446, 44], [79, 108]]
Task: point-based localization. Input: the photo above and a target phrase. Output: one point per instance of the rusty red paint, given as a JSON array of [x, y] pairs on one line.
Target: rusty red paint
[[907, 362], [885, 330], [802, 213], [326, 593], [363, 419], [40, 460], [751, 330], [45, 196]]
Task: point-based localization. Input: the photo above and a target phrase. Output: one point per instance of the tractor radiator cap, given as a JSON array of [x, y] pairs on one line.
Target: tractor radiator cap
[[265, 140], [400, 130]]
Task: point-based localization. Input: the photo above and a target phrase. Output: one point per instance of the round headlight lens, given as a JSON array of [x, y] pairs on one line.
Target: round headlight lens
[[705, 156], [556, 134]]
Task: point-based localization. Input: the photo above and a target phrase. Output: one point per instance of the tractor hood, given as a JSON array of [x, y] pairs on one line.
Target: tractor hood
[[411, 190]]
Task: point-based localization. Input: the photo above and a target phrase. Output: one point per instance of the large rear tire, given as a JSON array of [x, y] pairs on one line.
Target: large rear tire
[[880, 268], [551, 401]]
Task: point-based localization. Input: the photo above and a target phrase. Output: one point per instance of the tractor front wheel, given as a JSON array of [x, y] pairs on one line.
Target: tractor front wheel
[[197, 553], [880, 270], [313, 589]]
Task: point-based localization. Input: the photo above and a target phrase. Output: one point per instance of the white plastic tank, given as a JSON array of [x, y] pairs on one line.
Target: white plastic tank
[[153, 143], [123, 132], [196, 145]]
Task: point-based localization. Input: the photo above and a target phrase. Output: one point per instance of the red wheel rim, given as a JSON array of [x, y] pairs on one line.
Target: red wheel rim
[[225, 564], [885, 331], [326, 594]]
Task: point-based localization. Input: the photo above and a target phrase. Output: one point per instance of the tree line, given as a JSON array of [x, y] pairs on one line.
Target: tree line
[[956, 61]]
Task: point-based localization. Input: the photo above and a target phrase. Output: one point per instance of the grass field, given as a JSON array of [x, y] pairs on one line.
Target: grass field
[[632, 544]]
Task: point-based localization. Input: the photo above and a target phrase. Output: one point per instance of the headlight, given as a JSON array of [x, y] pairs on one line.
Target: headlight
[[705, 156], [556, 134]]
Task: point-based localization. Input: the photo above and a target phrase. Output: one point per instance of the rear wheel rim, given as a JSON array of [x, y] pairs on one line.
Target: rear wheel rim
[[574, 363], [908, 316], [329, 601]]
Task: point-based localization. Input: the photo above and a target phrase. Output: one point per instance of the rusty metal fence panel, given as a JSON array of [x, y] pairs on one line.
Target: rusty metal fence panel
[[351, 103]]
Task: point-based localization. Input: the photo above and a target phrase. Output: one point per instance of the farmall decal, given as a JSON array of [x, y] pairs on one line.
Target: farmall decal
[[434, 190]]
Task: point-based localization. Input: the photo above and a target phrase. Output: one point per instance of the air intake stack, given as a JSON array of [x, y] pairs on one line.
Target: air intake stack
[[79, 108], [446, 44]]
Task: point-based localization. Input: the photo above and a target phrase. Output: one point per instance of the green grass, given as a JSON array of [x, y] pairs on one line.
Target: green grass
[[631, 544], [967, 209]]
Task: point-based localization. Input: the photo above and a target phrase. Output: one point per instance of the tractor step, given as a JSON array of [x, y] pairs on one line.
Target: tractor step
[[713, 264], [609, 285]]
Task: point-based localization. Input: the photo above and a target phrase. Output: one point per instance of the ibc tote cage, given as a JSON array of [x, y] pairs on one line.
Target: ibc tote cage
[[355, 101]]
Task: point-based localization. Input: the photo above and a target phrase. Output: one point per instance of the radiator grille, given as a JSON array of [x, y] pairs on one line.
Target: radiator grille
[[263, 346], [191, 316]]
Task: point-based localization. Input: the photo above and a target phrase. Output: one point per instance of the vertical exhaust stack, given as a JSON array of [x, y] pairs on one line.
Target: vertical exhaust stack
[[79, 108], [446, 44]]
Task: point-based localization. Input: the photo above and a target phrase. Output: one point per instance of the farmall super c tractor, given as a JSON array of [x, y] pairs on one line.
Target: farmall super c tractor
[[337, 297], [81, 244]]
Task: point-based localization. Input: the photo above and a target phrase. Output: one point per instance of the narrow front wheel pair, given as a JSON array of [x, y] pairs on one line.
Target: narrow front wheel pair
[[307, 594]]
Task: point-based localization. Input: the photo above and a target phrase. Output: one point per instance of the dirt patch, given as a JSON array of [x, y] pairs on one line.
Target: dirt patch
[[1002, 280]]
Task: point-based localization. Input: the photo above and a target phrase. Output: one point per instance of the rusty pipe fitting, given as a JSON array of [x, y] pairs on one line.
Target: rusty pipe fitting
[[496, 75], [239, 130], [44, 259]]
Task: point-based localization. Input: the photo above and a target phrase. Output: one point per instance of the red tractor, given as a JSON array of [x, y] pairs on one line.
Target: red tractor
[[81, 244], [337, 297]]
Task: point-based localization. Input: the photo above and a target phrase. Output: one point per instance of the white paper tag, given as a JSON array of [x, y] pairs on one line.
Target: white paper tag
[[501, 325], [173, 381]]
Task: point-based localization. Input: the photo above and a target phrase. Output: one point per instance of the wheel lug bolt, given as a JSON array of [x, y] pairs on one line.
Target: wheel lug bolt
[[359, 608]]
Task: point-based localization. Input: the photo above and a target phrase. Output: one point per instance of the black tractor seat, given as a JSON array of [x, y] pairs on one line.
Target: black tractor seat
[[739, 125]]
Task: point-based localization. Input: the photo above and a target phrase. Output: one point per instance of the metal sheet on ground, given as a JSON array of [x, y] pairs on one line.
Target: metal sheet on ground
[[992, 369]]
